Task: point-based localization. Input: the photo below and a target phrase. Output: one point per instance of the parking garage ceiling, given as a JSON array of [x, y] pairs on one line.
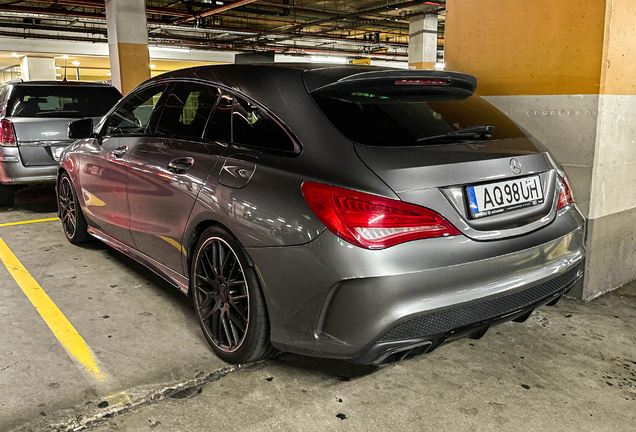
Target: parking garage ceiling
[[365, 28]]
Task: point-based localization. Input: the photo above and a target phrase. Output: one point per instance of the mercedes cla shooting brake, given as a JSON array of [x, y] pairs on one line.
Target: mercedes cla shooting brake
[[347, 212]]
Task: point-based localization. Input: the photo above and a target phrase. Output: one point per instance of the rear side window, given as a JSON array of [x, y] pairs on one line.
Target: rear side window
[[132, 117], [254, 127], [63, 101], [242, 122], [187, 110], [220, 126], [383, 121]]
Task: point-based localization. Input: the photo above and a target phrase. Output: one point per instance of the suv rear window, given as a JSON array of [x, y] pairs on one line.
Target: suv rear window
[[61, 101], [387, 121]]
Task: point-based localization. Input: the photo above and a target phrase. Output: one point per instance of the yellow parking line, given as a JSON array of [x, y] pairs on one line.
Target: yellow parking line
[[54, 318], [28, 222]]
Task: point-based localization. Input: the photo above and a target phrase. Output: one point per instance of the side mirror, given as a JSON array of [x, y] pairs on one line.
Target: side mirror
[[81, 129]]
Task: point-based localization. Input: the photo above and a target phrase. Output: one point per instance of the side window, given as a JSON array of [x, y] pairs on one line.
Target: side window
[[220, 126], [133, 116], [254, 127], [187, 110]]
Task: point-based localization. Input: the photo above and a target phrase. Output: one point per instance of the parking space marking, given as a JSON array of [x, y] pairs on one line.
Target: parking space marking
[[54, 318], [28, 222]]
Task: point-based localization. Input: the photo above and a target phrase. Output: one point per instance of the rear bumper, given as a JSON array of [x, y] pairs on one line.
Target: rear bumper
[[331, 299], [424, 333], [12, 172]]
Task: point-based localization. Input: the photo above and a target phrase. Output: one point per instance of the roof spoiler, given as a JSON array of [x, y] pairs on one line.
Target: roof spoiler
[[401, 83]]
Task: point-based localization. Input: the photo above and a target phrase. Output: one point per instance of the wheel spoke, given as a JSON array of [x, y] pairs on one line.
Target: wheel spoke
[[238, 321], [235, 333], [204, 279], [231, 270], [207, 266], [211, 313], [226, 329], [229, 257], [240, 310], [216, 328]]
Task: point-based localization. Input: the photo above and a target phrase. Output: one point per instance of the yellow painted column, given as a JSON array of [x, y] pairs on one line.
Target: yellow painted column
[[128, 43], [564, 70]]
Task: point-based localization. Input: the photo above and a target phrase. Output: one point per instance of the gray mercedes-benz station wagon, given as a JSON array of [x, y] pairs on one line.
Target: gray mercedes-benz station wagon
[[350, 212], [34, 118]]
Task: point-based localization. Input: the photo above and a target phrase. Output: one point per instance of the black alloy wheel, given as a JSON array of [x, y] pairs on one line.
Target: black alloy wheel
[[73, 221], [228, 299]]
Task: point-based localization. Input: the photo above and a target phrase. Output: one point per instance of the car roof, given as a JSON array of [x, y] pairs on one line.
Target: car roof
[[59, 83], [254, 75]]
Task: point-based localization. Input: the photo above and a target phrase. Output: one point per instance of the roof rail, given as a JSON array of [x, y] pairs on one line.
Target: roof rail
[[15, 80]]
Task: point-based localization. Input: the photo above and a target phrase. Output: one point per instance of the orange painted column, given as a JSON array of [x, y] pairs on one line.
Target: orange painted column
[[564, 70], [128, 43]]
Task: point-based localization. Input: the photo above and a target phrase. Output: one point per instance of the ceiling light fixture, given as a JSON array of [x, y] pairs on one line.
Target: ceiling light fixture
[[75, 63], [328, 59], [153, 66], [157, 48]]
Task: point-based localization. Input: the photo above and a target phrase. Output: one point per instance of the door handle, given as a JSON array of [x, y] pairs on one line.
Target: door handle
[[181, 165], [119, 152]]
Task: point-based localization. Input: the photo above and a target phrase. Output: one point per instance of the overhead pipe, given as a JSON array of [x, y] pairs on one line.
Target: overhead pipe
[[100, 4], [215, 10]]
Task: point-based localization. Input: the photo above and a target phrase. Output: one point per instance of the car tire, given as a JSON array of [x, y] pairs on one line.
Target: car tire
[[228, 299], [7, 196], [73, 221]]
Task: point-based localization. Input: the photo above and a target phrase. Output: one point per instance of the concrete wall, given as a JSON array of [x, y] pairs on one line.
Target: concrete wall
[[565, 71]]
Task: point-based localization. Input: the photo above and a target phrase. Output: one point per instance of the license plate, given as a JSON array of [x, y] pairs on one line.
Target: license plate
[[502, 197], [57, 152]]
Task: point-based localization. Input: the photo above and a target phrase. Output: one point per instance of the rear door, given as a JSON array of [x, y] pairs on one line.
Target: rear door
[[167, 170], [103, 170], [437, 145]]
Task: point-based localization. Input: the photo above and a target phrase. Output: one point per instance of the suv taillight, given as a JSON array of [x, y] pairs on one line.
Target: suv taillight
[[565, 196], [7, 138], [370, 221]]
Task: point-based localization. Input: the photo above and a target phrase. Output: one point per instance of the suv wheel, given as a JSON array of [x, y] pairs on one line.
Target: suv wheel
[[7, 196]]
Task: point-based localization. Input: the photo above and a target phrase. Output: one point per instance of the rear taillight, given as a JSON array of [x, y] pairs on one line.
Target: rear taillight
[[565, 197], [7, 138], [370, 221]]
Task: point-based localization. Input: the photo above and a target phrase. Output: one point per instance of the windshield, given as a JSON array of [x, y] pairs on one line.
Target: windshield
[[61, 101], [396, 122]]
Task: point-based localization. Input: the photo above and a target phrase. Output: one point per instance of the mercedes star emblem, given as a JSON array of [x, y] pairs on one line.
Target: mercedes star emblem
[[515, 166]]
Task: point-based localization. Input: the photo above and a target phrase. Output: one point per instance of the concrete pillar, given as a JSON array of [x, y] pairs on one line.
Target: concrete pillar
[[564, 71], [128, 43], [37, 68], [423, 41]]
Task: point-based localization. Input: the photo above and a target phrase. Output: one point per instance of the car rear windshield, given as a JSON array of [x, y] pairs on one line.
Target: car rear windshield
[[61, 101], [386, 121]]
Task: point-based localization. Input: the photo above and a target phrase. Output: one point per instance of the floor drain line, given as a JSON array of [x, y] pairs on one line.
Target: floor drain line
[[180, 391]]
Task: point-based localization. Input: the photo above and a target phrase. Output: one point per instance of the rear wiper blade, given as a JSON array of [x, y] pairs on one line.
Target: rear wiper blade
[[472, 132]]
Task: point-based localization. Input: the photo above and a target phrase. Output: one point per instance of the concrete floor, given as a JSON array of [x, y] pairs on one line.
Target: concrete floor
[[569, 367]]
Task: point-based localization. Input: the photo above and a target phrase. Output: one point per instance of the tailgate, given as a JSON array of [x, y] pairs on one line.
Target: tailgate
[[40, 140], [436, 144]]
